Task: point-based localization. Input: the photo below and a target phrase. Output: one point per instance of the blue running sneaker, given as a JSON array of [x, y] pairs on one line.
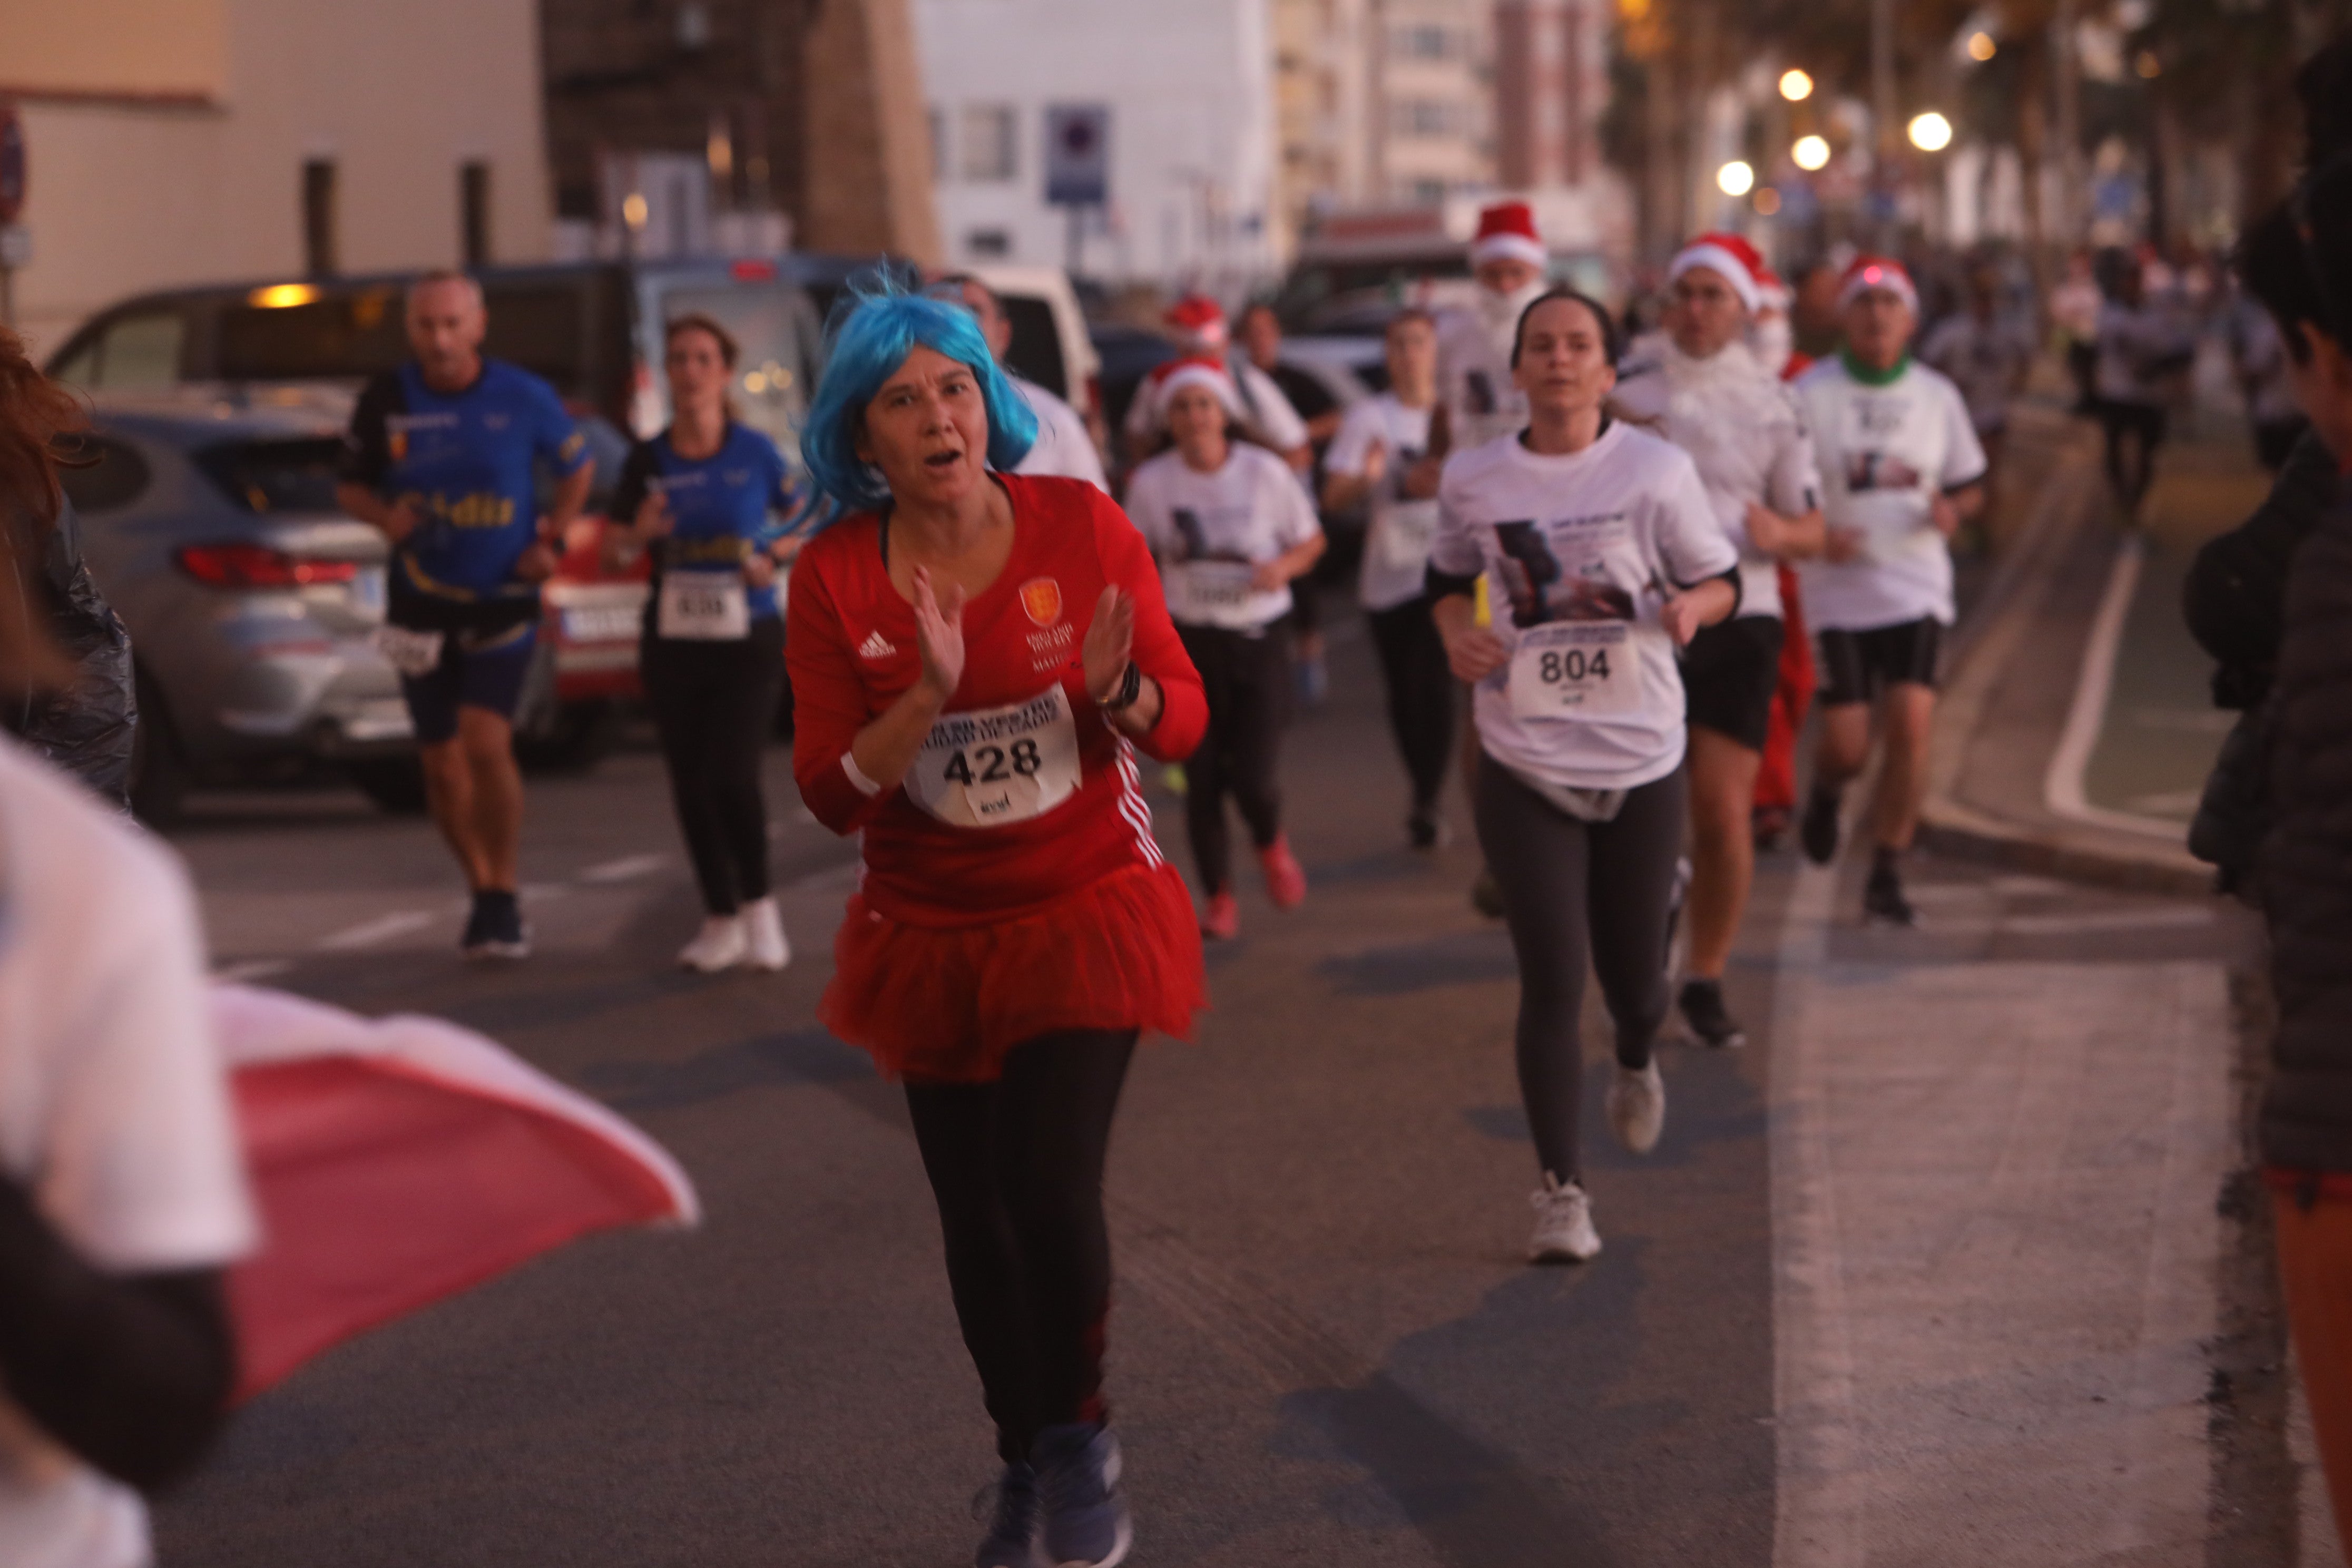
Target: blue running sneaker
[[1011, 1538], [1086, 1521]]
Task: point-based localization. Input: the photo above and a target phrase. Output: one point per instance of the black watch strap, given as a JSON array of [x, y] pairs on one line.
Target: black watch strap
[[1130, 687]]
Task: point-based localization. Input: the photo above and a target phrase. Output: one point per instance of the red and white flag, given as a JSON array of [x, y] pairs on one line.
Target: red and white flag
[[401, 1160]]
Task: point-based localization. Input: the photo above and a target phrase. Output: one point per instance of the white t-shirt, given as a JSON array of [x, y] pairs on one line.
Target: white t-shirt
[[1264, 404], [1066, 448], [1885, 452], [1396, 545], [1482, 402], [114, 1109], [1210, 529], [2142, 349], [1984, 359], [1746, 433], [1578, 552]]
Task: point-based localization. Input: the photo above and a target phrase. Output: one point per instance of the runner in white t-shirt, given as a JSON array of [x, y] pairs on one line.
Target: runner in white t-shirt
[[1902, 470], [1196, 324], [1064, 447], [1987, 354], [1601, 556], [1381, 455], [1699, 385], [1232, 528], [122, 1190]]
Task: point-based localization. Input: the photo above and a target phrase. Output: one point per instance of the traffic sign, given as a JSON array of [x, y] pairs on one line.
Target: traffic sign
[[12, 162], [1078, 154]]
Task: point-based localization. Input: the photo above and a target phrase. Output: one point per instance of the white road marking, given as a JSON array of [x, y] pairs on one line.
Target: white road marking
[[2062, 787], [375, 932], [627, 868]]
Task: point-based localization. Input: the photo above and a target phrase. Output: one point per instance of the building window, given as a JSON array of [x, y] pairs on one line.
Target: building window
[[474, 210], [1427, 41], [1425, 117], [1429, 193], [988, 245], [319, 217], [987, 141]]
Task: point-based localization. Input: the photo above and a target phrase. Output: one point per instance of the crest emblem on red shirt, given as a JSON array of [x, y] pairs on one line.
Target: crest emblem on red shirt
[[1042, 598]]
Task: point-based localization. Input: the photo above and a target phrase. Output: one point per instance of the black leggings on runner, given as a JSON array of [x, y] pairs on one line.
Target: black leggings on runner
[[1247, 680], [1420, 695], [1573, 890], [2134, 432], [1016, 1167], [714, 703]]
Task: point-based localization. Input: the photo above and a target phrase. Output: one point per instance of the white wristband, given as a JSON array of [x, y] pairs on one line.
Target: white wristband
[[857, 778]]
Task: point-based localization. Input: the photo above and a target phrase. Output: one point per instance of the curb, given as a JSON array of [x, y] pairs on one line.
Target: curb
[[2067, 503]]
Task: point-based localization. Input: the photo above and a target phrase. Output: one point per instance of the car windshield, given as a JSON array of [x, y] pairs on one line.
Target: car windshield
[[276, 476], [770, 324], [334, 336]]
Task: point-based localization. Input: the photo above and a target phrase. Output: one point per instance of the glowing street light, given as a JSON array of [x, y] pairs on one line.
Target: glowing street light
[[1735, 179], [1796, 86], [1930, 132], [1810, 152], [1981, 47]]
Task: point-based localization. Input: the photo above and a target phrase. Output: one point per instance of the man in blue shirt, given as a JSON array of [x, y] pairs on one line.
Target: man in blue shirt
[[443, 456]]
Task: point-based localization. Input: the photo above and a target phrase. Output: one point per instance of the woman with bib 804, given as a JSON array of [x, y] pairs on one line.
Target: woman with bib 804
[[975, 659], [1601, 556]]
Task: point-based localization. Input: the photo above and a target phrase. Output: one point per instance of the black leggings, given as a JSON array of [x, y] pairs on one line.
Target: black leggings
[[714, 703], [1420, 695], [1247, 680], [2139, 428], [1016, 1167], [1573, 890]]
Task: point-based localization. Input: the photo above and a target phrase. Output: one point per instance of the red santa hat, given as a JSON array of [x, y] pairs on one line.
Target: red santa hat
[[1193, 370], [1881, 272], [1506, 231], [1198, 323], [1729, 257]]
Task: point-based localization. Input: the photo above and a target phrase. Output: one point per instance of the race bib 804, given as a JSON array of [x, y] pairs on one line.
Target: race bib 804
[[1575, 670], [995, 766]]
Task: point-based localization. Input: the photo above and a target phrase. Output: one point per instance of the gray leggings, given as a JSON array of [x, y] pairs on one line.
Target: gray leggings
[[1574, 890]]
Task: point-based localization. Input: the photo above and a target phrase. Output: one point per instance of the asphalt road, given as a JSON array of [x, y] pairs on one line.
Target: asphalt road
[[1324, 1348]]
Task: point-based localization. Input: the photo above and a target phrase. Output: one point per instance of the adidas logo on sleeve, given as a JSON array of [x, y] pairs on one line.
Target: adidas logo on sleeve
[[877, 646]]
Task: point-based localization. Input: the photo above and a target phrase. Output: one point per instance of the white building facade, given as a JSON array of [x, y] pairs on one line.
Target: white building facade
[[1188, 89]]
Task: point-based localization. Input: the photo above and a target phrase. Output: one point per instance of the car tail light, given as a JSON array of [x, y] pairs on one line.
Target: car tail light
[[260, 566], [753, 271]]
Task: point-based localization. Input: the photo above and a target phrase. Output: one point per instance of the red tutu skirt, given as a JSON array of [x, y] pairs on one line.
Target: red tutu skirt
[[943, 1005]]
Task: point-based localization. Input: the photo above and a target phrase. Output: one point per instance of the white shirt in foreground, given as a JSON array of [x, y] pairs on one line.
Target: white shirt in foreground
[[114, 1110], [1065, 447], [1588, 544], [1885, 452], [1396, 545], [1746, 433], [1210, 529]]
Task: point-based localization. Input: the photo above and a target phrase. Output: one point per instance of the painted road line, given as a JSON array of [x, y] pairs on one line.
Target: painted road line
[[377, 931], [627, 868], [2062, 787]]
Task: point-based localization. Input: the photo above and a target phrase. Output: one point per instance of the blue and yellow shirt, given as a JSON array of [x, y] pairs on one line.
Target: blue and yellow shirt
[[468, 462], [740, 498]]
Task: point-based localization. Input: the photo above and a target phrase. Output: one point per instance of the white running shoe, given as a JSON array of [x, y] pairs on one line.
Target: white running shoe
[[1564, 1231], [720, 944], [764, 928], [1637, 1106]]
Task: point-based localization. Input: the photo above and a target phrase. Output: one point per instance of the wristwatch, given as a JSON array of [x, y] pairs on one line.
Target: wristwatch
[[1130, 687]]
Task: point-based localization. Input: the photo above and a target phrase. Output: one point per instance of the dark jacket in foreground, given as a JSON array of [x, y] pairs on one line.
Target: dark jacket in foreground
[[2234, 598], [2307, 861], [86, 727]]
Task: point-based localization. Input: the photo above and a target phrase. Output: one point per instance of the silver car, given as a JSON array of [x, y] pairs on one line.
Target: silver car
[[209, 520]]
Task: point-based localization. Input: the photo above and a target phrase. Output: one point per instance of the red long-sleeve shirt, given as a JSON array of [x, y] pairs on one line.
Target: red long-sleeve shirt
[[850, 646]]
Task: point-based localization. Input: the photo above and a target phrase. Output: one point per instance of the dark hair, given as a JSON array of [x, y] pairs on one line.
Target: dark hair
[[2324, 86], [2271, 265], [2321, 213], [696, 321], [37, 416], [1610, 343]]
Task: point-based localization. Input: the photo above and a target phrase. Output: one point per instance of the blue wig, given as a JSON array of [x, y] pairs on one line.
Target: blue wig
[[872, 332]]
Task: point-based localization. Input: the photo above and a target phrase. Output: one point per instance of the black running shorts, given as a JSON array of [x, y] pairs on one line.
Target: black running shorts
[[1729, 671], [1858, 666]]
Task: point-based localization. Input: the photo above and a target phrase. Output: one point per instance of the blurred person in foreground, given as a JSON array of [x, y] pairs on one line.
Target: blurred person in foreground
[[1064, 446], [85, 722], [122, 1196], [2304, 867], [442, 456], [1987, 356], [1901, 470]]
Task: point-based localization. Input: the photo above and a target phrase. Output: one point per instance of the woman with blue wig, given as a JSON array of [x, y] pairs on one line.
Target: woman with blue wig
[[976, 657]]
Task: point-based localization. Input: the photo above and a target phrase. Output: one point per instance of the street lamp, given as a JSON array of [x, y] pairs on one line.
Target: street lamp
[[1810, 152], [1796, 86], [1981, 47], [1930, 132], [1735, 178]]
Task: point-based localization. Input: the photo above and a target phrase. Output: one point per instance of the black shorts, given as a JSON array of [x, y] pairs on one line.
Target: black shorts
[[1729, 672], [1858, 666], [477, 670]]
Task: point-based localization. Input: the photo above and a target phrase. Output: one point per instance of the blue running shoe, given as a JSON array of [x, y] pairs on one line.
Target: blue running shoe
[[1086, 1521], [1011, 1538]]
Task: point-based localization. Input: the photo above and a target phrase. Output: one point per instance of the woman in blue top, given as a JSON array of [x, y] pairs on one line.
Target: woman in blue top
[[704, 496]]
